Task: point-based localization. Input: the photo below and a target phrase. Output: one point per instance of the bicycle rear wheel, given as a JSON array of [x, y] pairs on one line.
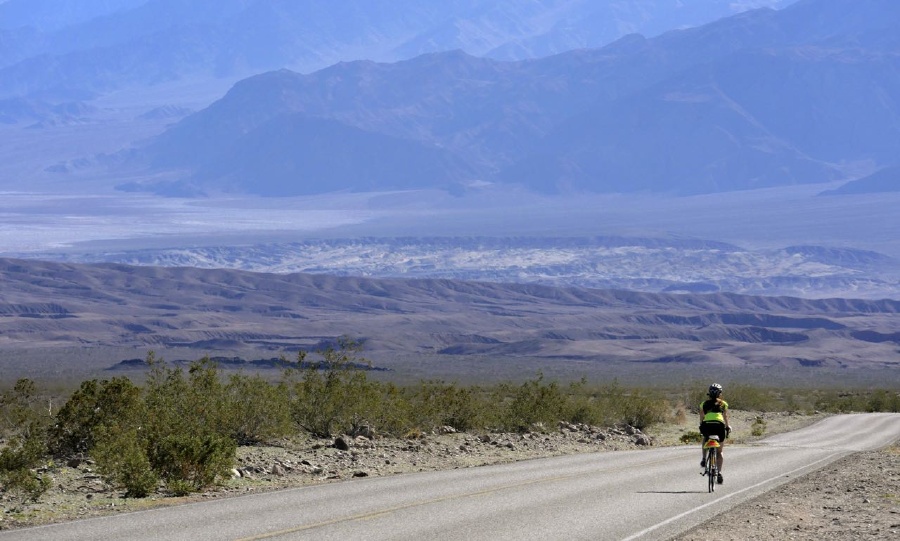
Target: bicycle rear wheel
[[711, 470]]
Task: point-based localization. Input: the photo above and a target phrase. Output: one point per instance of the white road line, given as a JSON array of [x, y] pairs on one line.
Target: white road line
[[717, 500]]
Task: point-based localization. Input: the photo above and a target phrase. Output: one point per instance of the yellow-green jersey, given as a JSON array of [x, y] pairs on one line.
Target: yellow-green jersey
[[713, 410]]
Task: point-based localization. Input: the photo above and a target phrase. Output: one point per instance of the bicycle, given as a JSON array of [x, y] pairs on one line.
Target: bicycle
[[710, 448]]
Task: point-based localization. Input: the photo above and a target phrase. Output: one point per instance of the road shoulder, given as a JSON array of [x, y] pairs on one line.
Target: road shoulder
[[856, 497]]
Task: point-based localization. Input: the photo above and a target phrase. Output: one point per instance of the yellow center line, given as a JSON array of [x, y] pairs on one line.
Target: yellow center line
[[375, 514]]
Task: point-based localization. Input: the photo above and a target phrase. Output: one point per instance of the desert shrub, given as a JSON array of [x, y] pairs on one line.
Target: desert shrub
[[641, 411], [18, 407], [172, 429], [839, 402], [183, 404], [164, 391], [540, 403], [691, 395], [23, 452], [246, 408], [20, 457], [187, 434], [638, 408], [122, 461], [436, 403], [24, 484], [858, 401], [335, 395], [582, 410], [582, 405], [679, 415], [531, 403], [883, 400], [607, 404], [793, 402], [96, 404], [25, 426], [189, 462], [367, 404], [691, 436], [255, 410], [758, 428], [389, 411], [751, 398]]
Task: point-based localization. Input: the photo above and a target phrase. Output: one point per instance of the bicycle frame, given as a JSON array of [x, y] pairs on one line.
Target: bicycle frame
[[711, 450]]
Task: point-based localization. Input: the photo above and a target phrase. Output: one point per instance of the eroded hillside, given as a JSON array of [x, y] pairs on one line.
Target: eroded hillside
[[56, 307]]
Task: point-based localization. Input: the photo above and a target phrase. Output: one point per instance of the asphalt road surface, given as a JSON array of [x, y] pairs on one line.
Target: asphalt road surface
[[650, 494]]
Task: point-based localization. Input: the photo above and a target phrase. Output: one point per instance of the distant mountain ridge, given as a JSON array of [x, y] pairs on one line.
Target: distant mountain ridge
[[99, 44], [884, 180], [761, 99], [47, 306], [50, 15], [637, 264]]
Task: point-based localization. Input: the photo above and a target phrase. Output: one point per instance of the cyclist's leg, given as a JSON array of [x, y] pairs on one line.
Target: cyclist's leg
[[720, 452], [703, 441]]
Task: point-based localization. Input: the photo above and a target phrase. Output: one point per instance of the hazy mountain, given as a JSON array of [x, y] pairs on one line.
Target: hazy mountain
[[751, 120], [769, 98], [518, 30], [50, 15], [416, 101], [268, 159], [16, 110], [764, 98], [885, 180], [17, 44], [30, 28], [97, 45]]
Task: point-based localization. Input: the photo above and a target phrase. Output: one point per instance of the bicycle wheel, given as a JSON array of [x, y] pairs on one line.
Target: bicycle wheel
[[711, 470]]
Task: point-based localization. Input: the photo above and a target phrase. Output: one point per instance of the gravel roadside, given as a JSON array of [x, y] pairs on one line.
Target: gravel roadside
[[857, 497]]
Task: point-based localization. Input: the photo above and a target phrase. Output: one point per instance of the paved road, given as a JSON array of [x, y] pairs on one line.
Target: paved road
[[651, 494]]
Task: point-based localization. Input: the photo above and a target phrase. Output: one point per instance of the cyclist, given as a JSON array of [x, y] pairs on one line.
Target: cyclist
[[714, 421]]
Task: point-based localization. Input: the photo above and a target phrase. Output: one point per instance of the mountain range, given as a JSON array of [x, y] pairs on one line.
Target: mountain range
[[709, 96], [628, 263], [62, 311], [95, 45], [806, 94]]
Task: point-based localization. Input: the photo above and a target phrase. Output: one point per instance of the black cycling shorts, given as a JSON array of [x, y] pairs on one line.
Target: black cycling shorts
[[713, 428]]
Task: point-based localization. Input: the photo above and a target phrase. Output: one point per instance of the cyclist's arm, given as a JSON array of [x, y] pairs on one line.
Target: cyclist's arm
[[725, 415]]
